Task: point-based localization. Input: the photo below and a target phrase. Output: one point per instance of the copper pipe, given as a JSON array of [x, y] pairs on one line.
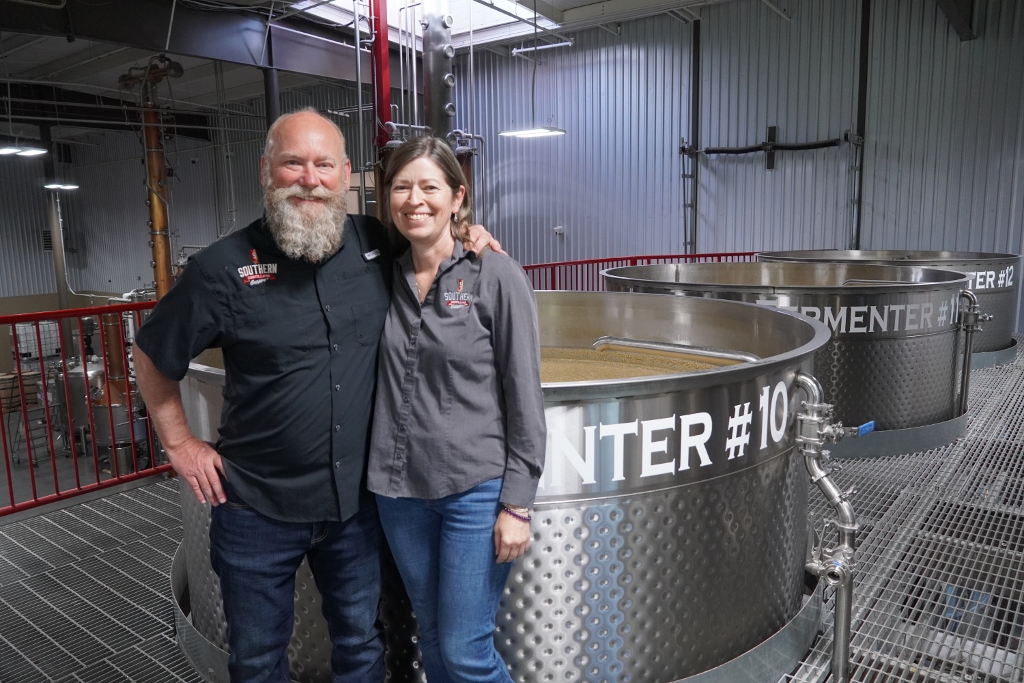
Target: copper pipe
[[157, 198], [116, 385]]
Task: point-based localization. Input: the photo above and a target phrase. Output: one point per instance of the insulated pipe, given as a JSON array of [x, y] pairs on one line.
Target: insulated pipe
[[815, 428], [271, 89], [156, 169], [970, 317], [53, 219], [381, 58]]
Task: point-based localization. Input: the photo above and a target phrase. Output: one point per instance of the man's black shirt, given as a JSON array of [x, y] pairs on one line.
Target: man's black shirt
[[300, 358]]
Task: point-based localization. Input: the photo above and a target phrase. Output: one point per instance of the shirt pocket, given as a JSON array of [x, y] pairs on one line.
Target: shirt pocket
[[368, 285], [249, 307], [368, 320], [274, 330]]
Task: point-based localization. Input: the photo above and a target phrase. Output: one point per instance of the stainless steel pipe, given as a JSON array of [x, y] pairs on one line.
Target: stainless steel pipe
[[816, 429]]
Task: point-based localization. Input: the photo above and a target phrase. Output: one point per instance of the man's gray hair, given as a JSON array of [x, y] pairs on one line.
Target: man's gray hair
[[268, 147]]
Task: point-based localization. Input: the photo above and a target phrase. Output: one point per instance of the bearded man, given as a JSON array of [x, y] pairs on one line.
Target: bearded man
[[296, 301]]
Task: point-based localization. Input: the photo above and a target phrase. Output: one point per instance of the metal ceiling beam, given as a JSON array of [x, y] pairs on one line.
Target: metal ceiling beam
[[960, 14], [546, 10], [228, 36], [245, 91], [49, 105], [622, 10], [82, 57], [13, 43], [124, 57]]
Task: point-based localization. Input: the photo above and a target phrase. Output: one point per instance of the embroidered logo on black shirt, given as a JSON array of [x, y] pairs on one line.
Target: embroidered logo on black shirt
[[257, 273]]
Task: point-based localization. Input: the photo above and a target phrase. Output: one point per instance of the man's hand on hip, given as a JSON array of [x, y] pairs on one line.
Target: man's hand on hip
[[198, 464]]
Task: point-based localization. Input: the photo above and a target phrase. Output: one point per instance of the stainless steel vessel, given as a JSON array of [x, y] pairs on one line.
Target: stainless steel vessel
[[994, 279], [893, 354], [671, 522]]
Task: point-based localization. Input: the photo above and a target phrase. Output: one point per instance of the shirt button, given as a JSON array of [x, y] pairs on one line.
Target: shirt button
[[337, 428], [405, 400], [337, 465], [401, 428], [337, 387], [327, 308], [412, 342], [335, 347]]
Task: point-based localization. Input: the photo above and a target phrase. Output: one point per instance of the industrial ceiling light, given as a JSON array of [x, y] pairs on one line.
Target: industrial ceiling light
[[7, 149], [60, 186], [534, 131], [539, 132]]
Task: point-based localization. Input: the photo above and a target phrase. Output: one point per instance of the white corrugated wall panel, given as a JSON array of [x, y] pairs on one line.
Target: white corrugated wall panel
[[25, 268], [613, 182], [759, 70], [107, 218], [944, 160]]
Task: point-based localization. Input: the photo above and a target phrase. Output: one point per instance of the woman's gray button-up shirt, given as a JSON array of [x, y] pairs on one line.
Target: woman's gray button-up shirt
[[458, 383]]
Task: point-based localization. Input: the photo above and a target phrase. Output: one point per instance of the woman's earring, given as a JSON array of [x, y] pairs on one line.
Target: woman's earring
[[455, 218]]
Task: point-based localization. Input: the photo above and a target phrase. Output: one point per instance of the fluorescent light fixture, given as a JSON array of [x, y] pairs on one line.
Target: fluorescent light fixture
[[4, 151], [59, 186], [540, 132], [31, 152], [516, 51]]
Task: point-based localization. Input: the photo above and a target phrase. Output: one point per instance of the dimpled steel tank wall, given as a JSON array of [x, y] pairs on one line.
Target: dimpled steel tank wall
[[670, 528], [893, 356]]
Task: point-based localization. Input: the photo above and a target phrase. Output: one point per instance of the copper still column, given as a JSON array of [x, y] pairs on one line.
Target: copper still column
[[156, 171], [156, 70]]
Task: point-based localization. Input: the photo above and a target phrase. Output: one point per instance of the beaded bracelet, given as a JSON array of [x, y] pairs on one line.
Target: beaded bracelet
[[521, 517]]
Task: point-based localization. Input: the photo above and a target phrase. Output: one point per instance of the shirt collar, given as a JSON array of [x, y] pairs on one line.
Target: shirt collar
[[458, 254]]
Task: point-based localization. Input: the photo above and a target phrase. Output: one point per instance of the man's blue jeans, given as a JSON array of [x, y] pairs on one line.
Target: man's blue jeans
[[256, 558], [444, 550]]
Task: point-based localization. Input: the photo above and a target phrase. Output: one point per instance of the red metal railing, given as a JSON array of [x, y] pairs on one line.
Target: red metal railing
[[57, 408], [50, 411], [585, 276]]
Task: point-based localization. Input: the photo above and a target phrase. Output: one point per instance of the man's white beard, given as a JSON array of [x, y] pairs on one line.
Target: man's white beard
[[312, 236]]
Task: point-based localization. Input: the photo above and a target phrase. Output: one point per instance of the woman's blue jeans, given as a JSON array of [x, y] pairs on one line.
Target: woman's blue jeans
[[256, 558], [444, 550]]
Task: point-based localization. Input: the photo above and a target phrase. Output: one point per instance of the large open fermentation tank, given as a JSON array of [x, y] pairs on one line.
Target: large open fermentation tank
[[894, 358], [670, 529], [993, 278]]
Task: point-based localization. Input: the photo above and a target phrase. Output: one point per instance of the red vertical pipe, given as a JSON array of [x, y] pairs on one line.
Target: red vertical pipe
[[381, 58]]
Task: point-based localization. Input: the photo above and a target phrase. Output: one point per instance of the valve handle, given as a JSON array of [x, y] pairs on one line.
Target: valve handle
[[865, 428]]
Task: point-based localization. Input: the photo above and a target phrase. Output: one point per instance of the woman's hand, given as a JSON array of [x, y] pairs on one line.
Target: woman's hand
[[511, 538]]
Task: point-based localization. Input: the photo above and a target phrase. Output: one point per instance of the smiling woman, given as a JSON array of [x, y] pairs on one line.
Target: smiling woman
[[459, 432]]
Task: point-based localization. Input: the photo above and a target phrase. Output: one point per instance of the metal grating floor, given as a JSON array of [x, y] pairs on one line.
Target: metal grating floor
[[940, 562], [939, 591], [85, 592]]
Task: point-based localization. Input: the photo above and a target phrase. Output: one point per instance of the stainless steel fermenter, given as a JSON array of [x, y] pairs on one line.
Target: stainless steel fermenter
[[670, 529], [893, 357], [993, 278]]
